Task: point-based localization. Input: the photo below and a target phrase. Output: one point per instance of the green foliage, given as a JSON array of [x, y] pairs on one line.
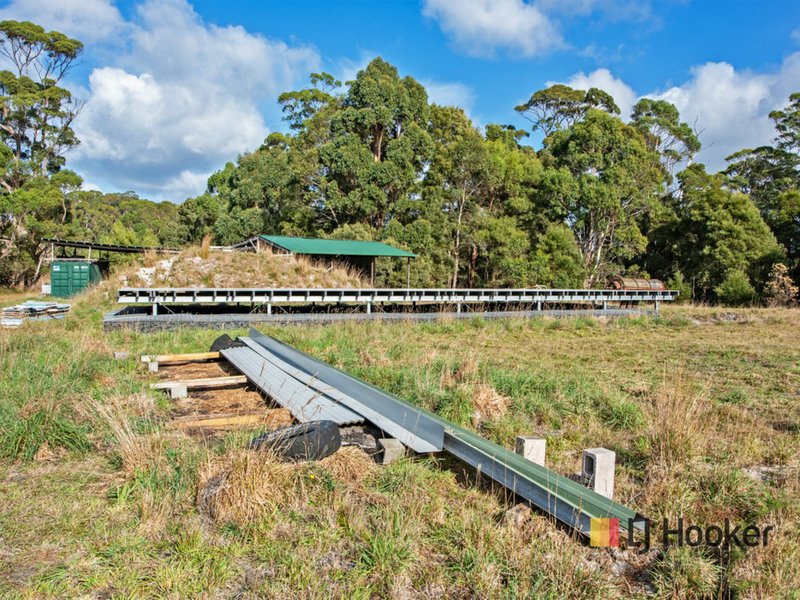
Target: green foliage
[[604, 178], [659, 122], [37, 114], [557, 261], [735, 289], [679, 283], [710, 232], [771, 175], [560, 107]]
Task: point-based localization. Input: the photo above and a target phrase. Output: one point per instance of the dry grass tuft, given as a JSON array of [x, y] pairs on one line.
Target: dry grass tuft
[[350, 465], [245, 486], [138, 452], [466, 372], [685, 573], [489, 404], [676, 422], [205, 247]]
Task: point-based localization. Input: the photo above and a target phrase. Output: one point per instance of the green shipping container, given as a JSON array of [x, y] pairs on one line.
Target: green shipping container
[[70, 277]]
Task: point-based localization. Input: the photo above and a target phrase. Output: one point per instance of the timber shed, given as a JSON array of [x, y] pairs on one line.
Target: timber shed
[[358, 254]]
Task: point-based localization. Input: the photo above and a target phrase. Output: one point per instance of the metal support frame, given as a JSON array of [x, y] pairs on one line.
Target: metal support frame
[[387, 296]]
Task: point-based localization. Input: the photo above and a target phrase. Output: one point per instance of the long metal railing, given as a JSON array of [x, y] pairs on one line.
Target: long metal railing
[[369, 296]]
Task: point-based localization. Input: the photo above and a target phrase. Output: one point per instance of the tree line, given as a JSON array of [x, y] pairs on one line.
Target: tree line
[[373, 158]]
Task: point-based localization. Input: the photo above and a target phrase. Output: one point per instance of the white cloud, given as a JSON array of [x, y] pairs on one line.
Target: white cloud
[[178, 97], [525, 27], [186, 184], [479, 27], [87, 20], [731, 108], [622, 93], [451, 93], [184, 97]]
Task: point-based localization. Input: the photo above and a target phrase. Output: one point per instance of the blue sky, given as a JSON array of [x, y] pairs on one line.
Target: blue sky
[[174, 89]]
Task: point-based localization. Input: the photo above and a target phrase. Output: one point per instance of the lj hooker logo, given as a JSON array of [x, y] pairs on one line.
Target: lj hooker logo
[[605, 533]]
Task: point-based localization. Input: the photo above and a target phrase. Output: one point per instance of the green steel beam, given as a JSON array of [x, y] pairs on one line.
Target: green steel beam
[[567, 500]]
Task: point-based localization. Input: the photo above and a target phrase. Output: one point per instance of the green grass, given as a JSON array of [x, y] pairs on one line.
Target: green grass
[[80, 516]]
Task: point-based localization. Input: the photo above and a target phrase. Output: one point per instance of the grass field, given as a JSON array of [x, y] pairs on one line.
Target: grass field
[[702, 407]]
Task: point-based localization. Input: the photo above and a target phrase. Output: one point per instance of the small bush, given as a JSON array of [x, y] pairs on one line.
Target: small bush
[[677, 282], [780, 290], [735, 290]]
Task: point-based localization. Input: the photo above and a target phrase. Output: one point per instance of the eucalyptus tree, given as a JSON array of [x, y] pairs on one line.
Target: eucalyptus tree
[[660, 124], [712, 234], [560, 106], [378, 146], [602, 180], [771, 176], [36, 117]]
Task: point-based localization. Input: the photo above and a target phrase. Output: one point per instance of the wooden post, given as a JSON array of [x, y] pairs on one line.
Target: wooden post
[[408, 272], [372, 272]]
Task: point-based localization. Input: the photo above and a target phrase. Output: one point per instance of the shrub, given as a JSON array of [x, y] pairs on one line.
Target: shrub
[[677, 282], [780, 289], [735, 290]]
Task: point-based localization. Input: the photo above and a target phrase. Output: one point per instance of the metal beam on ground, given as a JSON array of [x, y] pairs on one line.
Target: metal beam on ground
[[395, 420], [304, 403], [567, 500]]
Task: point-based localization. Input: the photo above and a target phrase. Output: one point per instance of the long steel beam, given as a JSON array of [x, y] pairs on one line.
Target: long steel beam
[[375, 296], [565, 499]]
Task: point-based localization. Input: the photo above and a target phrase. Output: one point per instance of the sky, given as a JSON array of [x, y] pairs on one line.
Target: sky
[[174, 89]]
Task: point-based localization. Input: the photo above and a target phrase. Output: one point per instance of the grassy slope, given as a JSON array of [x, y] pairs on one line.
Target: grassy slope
[[109, 505]]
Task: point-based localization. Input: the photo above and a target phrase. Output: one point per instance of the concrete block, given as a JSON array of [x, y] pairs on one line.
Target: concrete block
[[178, 391], [152, 367], [531, 448], [121, 355], [392, 450], [598, 470]]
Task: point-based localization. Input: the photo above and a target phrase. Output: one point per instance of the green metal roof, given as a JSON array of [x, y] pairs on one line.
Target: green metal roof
[[301, 245]]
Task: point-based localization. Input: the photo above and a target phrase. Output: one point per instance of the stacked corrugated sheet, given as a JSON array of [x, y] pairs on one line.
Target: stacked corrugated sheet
[[32, 310]]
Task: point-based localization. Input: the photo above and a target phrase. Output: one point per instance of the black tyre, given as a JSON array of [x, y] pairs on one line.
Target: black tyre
[[307, 441]]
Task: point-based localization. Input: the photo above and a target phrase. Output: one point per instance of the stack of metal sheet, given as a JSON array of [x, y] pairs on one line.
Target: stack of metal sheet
[[14, 316]]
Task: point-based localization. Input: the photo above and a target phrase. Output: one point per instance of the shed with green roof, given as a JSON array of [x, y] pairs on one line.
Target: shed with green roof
[[358, 254]]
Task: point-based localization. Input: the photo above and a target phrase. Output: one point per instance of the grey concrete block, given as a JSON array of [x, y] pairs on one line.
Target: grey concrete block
[[392, 450], [121, 355], [152, 367], [598, 469], [178, 391], [531, 448]]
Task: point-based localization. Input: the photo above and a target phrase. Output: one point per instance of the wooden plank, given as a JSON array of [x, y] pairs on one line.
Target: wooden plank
[[208, 382], [222, 419], [180, 358]]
